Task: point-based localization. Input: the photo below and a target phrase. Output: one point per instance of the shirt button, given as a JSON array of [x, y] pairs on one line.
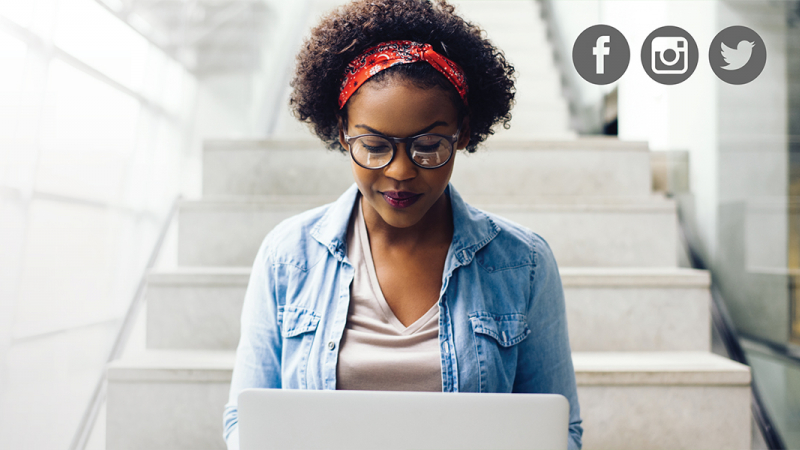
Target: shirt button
[[331, 345]]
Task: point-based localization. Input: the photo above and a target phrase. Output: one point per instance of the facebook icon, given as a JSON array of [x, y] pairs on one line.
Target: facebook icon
[[600, 51], [594, 58]]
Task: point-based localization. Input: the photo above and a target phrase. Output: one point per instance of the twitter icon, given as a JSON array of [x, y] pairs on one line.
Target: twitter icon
[[737, 55]]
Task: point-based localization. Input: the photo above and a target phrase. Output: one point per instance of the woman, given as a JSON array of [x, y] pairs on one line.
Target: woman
[[399, 284]]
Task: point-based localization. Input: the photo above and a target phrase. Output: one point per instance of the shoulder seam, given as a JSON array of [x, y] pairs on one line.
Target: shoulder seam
[[273, 251]]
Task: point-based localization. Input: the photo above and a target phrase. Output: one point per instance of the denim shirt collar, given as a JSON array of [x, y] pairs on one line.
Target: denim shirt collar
[[472, 228]]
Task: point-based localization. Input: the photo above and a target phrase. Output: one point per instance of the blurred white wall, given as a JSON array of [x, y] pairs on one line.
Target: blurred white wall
[[99, 130], [95, 128]]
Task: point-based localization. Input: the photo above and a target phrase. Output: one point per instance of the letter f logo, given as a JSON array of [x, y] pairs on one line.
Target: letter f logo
[[607, 65], [600, 51]]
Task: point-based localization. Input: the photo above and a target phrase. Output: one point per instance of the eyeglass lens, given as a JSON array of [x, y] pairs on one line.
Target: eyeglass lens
[[375, 151]]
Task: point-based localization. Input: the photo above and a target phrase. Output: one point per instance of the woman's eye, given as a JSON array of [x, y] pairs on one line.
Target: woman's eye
[[377, 148], [373, 145], [426, 148]]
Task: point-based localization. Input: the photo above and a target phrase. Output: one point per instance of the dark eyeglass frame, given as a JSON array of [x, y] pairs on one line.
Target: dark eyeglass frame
[[406, 140]]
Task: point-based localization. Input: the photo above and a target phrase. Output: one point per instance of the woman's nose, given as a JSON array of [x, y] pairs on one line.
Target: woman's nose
[[401, 167]]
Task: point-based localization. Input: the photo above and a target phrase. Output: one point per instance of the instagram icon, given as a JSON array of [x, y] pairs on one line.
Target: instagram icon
[[669, 55]]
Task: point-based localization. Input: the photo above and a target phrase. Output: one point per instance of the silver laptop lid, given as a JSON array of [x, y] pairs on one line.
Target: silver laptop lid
[[303, 419]]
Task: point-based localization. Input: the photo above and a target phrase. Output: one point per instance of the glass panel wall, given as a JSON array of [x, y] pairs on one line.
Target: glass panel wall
[[93, 121], [741, 144]]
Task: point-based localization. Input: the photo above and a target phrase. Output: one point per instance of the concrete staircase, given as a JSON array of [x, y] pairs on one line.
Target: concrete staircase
[[517, 28], [639, 324]]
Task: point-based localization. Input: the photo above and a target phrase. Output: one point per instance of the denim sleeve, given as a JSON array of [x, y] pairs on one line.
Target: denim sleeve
[[545, 361], [258, 355]]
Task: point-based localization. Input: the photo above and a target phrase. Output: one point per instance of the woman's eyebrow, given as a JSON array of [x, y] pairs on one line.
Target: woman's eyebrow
[[424, 130]]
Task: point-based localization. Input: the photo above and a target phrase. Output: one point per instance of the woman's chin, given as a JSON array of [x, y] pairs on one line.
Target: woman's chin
[[399, 217]]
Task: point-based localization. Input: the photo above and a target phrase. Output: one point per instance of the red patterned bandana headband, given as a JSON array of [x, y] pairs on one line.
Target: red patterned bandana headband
[[390, 53]]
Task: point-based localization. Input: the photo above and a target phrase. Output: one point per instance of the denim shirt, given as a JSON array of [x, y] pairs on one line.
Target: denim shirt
[[502, 316]]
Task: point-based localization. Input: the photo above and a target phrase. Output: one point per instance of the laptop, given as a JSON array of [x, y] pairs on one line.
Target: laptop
[[289, 419]]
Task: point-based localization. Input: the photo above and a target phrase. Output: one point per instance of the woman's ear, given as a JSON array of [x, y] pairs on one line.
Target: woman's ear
[[463, 138]]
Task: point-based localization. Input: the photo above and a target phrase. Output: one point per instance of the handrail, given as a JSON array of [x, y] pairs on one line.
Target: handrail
[[775, 350], [89, 417], [730, 338]]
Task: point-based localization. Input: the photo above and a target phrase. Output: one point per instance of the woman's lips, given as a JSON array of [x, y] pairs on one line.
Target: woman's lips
[[399, 195], [400, 199]]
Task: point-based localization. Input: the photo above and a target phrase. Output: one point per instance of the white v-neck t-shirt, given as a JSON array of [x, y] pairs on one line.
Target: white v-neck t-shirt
[[376, 351]]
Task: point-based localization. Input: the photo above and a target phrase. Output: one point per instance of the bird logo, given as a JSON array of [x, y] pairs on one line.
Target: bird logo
[[739, 65], [737, 57]]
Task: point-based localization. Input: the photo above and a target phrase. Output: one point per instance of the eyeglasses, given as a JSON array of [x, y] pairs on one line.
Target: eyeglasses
[[375, 151]]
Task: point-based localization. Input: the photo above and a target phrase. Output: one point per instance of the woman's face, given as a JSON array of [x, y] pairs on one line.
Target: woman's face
[[397, 108]]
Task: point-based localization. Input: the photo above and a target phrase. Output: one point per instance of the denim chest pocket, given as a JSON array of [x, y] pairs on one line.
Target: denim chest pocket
[[298, 327], [496, 337], [295, 321]]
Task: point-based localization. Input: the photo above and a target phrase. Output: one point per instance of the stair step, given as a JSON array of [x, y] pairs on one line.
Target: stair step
[[663, 400], [530, 69], [507, 166], [531, 124], [612, 234], [544, 92], [637, 309], [498, 15], [530, 119], [628, 309], [518, 29], [513, 26], [522, 130], [168, 399], [195, 308]]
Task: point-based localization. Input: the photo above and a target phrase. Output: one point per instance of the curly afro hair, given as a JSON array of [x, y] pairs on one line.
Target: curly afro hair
[[347, 31]]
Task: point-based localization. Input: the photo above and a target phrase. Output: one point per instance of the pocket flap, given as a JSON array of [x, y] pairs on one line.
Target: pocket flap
[[506, 329], [296, 320]]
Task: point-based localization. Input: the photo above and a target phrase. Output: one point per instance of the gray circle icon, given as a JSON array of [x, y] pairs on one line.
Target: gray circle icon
[[601, 54], [669, 55], [737, 55]]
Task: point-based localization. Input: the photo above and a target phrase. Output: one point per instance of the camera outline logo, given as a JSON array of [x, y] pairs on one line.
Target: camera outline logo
[[670, 45], [669, 55], [741, 47], [601, 54]]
